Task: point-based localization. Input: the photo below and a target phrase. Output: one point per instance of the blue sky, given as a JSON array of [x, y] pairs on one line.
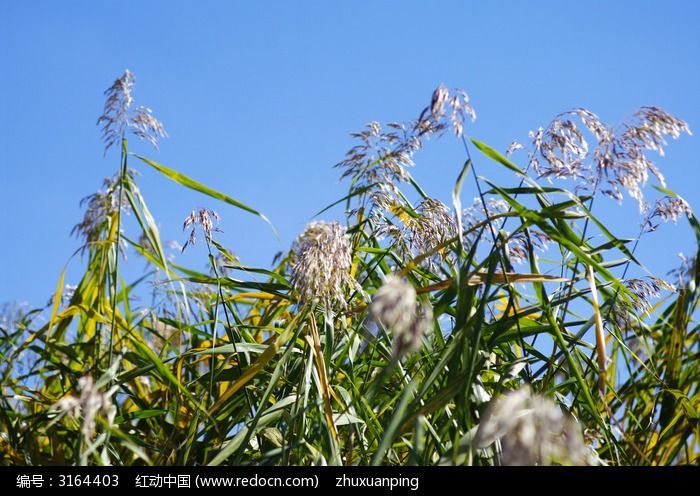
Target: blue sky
[[259, 99]]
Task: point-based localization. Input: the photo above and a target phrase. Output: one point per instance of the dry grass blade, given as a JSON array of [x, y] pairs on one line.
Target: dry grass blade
[[599, 333], [478, 278], [326, 391]]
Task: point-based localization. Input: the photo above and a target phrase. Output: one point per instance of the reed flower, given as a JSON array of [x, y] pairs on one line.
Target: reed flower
[[685, 272], [513, 147], [668, 209], [517, 245], [645, 290], [434, 225], [322, 263], [419, 231], [381, 159], [409, 339], [88, 405], [202, 217], [100, 207], [448, 108], [620, 157], [563, 147], [117, 118], [146, 126], [533, 430], [394, 306]]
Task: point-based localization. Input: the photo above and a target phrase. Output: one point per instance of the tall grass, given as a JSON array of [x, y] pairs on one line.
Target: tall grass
[[502, 332]]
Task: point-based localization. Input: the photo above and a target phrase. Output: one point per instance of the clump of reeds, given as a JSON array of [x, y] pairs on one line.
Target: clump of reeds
[[475, 329]]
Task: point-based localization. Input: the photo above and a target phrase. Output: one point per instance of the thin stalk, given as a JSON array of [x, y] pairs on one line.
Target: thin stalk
[[235, 334], [115, 271], [501, 254], [570, 290]]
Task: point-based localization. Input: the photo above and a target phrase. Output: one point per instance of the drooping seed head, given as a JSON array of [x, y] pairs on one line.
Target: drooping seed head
[[203, 218], [146, 126], [645, 290], [438, 101], [381, 159], [513, 147], [669, 209], [99, 208], [435, 118], [619, 159], [394, 306], [116, 117]]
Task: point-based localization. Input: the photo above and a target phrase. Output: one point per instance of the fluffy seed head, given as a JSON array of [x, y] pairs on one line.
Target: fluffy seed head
[[448, 108], [409, 339], [429, 225], [394, 307], [322, 263], [533, 430], [670, 208], [434, 226], [91, 402]]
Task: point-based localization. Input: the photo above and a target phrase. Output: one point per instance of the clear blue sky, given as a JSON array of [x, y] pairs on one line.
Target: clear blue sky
[[259, 99]]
